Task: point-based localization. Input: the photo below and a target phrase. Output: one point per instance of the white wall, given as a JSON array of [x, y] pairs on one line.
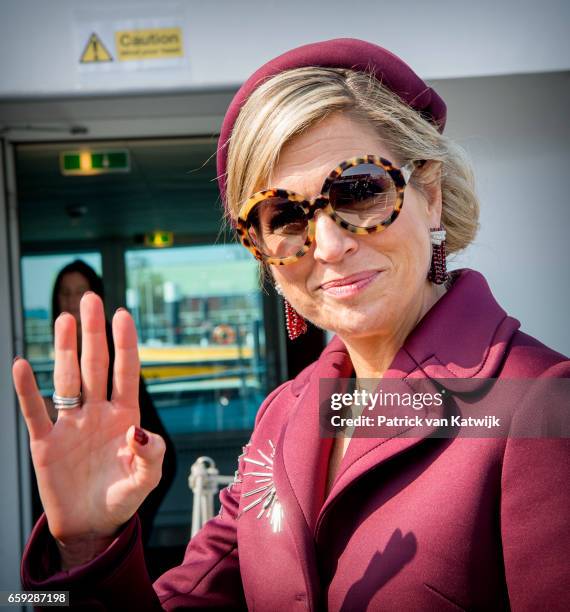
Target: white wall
[[225, 40], [517, 130]]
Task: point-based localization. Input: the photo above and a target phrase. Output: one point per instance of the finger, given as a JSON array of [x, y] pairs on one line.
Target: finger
[[126, 371], [149, 449], [66, 376], [94, 352], [31, 402]]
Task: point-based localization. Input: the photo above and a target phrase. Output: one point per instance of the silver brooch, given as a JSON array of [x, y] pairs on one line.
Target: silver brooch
[[267, 495]]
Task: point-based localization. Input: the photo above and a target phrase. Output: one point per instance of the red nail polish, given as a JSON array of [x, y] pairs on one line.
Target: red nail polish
[[140, 436]]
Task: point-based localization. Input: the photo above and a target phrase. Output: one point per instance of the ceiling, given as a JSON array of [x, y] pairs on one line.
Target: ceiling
[[171, 186]]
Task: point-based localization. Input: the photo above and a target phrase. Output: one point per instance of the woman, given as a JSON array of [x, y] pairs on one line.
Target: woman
[[71, 283], [395, 523]]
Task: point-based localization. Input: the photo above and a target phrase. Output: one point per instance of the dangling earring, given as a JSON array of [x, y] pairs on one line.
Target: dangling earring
[[438, 270], [295, 323]]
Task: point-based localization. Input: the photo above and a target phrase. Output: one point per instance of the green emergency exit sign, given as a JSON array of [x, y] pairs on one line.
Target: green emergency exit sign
[[87, 163]]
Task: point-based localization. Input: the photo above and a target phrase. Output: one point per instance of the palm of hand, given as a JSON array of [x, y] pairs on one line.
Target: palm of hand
[[92, 474]]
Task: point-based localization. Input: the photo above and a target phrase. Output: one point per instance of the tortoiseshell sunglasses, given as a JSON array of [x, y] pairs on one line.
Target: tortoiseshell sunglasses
[[363, 195]]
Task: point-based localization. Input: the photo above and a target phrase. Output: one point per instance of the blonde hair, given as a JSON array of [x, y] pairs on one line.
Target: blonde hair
[[291, 102]]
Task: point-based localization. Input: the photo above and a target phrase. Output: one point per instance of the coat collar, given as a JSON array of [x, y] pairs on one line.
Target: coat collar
[[464, 335]]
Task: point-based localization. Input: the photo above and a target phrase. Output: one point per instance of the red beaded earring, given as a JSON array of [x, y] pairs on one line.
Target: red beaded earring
[[438, 270], [295, 323]]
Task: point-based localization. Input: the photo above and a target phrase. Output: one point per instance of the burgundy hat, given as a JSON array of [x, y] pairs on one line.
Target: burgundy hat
[[350, 53]]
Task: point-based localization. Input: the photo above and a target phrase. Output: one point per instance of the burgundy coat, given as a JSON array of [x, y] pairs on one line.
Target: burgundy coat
[[416, 523]]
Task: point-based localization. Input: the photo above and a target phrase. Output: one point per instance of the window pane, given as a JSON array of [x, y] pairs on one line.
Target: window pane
[[199, 317], [38, 277]]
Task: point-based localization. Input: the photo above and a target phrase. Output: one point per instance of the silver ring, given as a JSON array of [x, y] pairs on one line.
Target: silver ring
[[66, 403]]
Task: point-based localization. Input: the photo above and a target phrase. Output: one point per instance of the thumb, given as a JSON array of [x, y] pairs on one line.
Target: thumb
[[148, 450]]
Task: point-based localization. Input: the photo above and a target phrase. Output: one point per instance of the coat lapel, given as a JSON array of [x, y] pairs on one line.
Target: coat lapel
[[301, 460]]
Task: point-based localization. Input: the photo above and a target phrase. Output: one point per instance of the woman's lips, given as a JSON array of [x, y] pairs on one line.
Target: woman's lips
[[350, 285]]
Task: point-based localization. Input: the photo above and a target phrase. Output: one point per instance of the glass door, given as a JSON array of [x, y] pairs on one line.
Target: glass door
[[199, 316]]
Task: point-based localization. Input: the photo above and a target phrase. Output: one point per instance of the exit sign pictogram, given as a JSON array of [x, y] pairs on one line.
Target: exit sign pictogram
[[87, 163]]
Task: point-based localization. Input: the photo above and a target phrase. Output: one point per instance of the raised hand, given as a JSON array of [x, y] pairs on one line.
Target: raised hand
[[94, 466]]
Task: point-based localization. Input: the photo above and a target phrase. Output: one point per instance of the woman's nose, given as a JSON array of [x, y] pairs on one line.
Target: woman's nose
[[73, 302], [332, 242]]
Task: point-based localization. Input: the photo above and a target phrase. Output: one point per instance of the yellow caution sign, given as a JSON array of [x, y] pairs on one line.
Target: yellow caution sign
[[157, 43], [95, 51]]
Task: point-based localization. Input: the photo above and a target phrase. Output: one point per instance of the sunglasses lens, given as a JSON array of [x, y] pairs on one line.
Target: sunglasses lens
[[278, 227], [363, 195]]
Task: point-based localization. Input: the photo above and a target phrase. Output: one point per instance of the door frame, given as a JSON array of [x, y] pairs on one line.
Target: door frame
[[14, 454]]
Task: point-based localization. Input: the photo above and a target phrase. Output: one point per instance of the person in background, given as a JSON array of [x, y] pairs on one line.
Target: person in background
[[71, 283]]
